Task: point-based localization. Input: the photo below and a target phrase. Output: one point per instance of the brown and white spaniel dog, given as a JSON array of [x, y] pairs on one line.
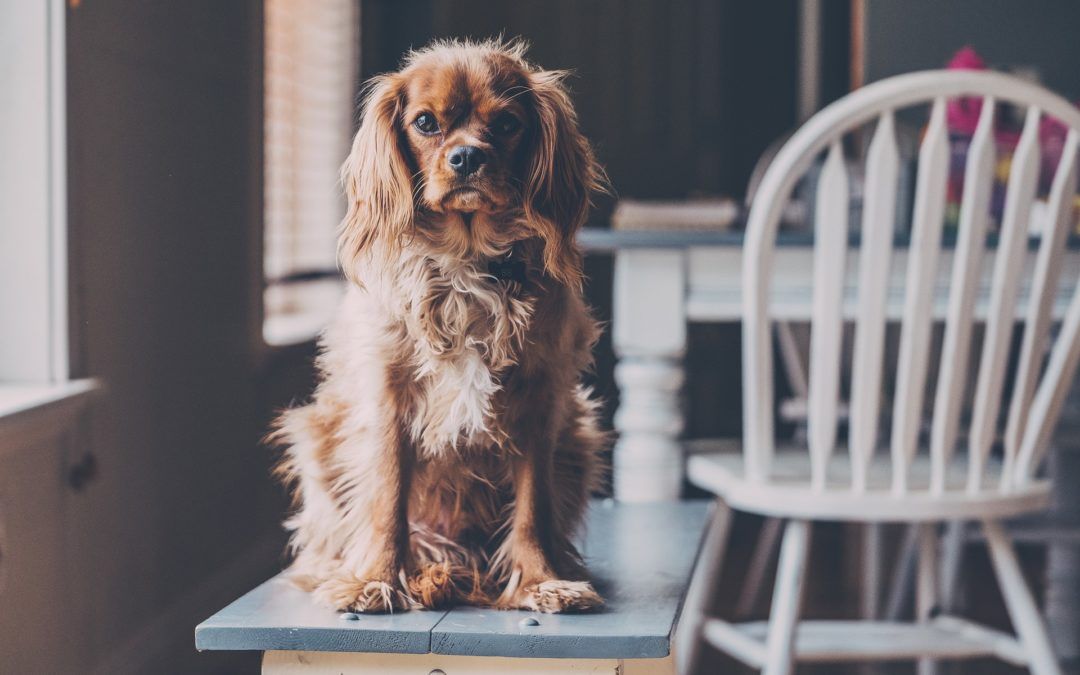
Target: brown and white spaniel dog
[[449, 450]]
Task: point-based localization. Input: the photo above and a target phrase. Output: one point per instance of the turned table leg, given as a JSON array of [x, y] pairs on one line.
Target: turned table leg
[[649, 332]]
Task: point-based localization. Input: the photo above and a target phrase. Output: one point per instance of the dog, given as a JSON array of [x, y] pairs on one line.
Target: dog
[[449, 449]]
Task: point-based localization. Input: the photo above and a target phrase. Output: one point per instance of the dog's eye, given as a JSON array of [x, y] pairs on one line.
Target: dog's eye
[[425, 123], [506, 124]]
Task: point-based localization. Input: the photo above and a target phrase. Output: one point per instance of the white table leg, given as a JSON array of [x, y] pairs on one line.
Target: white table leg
[[649, 334]]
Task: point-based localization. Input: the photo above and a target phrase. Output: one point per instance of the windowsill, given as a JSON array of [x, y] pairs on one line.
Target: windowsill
[[296, 328], [31, 411], [296, 312]]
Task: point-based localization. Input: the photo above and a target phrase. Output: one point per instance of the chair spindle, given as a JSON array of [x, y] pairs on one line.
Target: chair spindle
[[1001, 316], [879, 210], [1041, 301], [1041, 413], [830, 247], [967, 268], [925, 244]]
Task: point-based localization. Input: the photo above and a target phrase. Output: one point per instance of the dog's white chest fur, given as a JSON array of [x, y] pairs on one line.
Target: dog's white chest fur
[[454, 409], [467, 331]]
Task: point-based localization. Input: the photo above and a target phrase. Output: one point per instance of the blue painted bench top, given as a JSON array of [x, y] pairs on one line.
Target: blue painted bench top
[[640, 557]]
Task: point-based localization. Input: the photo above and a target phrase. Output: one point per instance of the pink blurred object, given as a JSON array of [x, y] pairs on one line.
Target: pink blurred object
[[962, 114], [966, 58], [1052, 130]]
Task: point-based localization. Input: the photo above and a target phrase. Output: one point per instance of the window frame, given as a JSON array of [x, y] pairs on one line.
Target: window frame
[[33, 195]]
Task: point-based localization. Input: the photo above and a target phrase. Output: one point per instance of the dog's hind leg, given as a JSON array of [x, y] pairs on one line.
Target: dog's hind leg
[[445, 572]]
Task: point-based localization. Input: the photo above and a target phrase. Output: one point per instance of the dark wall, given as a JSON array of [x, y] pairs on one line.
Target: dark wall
[[165, 163], [679, 98], [919, 34]]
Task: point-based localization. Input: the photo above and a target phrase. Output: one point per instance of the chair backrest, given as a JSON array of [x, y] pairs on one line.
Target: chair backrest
[[1037, 392]]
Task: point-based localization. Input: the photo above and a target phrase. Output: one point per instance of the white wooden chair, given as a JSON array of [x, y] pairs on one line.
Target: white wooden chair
[[899, 484]]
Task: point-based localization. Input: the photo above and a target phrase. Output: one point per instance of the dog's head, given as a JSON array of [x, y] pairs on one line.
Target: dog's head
[[470, 140]]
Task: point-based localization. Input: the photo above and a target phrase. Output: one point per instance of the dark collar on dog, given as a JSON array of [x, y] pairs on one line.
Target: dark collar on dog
[[508, 269]]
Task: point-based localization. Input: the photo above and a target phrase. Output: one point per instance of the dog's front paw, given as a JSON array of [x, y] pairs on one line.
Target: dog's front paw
[[553, 596], [372, 596]]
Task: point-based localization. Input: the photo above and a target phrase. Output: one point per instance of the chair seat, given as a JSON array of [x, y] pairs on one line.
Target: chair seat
[[717, 466]]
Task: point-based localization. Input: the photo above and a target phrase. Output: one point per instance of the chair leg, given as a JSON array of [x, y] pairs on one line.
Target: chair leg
[[703, 584], [767, 544], [787, 599], [927, 590], [870, 599], [902, 576], [952, 555], [1026, 618]]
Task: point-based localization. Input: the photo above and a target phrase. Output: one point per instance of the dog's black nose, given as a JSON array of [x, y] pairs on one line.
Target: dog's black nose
[[466, 159]]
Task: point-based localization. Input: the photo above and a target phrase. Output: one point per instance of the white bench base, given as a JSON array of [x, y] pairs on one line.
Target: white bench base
[[342, 663]]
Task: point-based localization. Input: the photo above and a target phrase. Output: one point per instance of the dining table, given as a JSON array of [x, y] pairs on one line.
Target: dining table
[[666, 279]]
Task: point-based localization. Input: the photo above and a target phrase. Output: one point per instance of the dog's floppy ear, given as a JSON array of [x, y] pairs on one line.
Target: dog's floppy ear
[[376, 175], [562, 176]]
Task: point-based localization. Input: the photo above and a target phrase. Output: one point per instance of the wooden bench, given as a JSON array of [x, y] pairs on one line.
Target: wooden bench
[[639, 555]]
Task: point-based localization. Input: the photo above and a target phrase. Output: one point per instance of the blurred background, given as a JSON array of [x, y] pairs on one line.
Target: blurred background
[[168, 207]]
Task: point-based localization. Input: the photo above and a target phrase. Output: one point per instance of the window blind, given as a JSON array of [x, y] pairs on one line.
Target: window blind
[[311, 60]]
